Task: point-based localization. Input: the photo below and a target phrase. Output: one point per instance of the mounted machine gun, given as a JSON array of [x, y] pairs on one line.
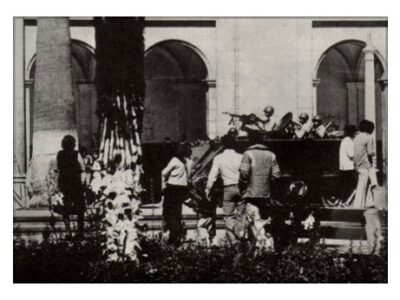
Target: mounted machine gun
[[247, 120]]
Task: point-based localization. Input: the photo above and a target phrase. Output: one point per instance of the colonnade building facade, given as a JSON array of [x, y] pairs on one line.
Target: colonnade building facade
[[198, 68]]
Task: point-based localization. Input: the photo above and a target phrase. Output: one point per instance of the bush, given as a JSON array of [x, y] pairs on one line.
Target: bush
[[83, 261]]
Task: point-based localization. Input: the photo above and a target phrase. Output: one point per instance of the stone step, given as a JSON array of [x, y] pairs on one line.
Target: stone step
[[335, 223]]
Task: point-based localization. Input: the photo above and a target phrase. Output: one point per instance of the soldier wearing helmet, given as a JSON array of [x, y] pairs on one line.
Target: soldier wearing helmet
[[303, 118], [269, 122], [318, 129], [233, 132], [305, 129]]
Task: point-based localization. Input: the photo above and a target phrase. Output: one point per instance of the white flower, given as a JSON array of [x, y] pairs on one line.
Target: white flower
[[309, 222], [121, 232]]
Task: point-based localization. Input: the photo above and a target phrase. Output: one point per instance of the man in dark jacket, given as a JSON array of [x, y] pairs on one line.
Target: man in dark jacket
[[257, 168]]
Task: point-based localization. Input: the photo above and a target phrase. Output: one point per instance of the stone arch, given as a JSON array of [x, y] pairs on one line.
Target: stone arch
[[195, 49], [323, 55], [176, 92], [339, 94]]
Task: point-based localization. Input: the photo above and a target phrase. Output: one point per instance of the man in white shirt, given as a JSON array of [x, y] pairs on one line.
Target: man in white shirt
[[346, 164], [175, 181], [227, 165]]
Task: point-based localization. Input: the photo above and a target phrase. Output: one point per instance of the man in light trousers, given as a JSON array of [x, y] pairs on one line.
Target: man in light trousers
[[227, 165], [363, 153]]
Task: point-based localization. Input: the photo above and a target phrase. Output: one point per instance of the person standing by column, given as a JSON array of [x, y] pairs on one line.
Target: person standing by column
[[175, 181], [70, 183], [363, 153], [346, 164], [257, 168], [227, 165]]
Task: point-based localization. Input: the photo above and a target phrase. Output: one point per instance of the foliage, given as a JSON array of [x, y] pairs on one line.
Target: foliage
[[120, 201], [83, 261]]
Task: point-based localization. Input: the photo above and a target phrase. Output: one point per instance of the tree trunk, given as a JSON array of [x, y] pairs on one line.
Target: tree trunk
[[120, 88], [54, 112]]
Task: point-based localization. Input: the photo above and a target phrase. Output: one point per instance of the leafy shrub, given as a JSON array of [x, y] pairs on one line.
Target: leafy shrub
[[84, 261]]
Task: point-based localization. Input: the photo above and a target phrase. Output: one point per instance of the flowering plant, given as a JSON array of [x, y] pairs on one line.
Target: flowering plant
[[119, 195], [309, 222]]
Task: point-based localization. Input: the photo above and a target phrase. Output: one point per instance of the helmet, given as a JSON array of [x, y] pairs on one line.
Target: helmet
[[269, 109], [233, 131], [304, 116], [317, 118]]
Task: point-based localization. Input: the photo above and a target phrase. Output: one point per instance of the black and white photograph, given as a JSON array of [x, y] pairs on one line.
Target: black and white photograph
[[200, 149]]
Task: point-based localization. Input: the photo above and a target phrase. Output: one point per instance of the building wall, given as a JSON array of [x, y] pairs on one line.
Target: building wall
[[251, 62], [276, 69]]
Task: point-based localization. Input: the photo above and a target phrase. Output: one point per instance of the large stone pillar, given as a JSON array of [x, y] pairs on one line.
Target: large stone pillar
[[19, 102], [369, 87], [54, 111]]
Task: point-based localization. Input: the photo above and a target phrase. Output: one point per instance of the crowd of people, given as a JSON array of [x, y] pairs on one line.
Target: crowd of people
[[246, 180]]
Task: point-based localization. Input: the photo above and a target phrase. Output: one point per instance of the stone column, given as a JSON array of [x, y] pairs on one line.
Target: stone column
[[383, 83], [369, 87], [53, 109], [236, 65], [315, 82], [225, 74], [19, 102], [212, 108]]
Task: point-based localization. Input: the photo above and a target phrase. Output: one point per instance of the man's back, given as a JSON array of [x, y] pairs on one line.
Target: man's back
[[229, 162], [363, 147], [256, 169], [227, 165]]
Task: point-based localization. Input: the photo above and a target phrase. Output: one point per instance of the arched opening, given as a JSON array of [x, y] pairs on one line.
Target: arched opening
[[340, 93], [83, 80], [175, 101]]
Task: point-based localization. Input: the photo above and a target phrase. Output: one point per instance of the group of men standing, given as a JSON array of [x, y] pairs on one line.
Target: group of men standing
[[246, 179]]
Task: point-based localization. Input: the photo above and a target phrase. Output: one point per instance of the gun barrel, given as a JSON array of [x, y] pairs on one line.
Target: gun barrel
[[232, 115]]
